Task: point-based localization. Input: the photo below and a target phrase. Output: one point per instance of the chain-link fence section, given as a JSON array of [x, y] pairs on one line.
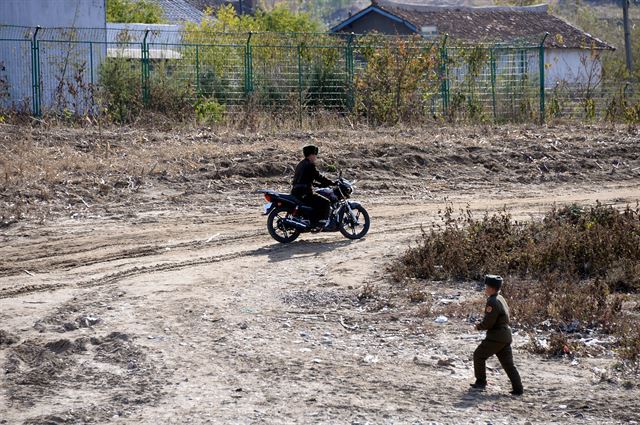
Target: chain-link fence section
[[123, 70]]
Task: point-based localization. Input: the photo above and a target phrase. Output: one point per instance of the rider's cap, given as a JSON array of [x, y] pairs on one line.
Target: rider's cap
[[493, 281], [310, 150]]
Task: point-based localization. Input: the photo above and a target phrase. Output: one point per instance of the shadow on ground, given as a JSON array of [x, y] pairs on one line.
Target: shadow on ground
[[283, 252]]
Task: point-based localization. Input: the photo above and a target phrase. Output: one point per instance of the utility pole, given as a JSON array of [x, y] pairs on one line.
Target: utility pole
[[627, 34]]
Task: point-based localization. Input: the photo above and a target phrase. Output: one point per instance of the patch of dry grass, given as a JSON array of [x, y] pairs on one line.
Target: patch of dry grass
[[53, 166], [571, 243]]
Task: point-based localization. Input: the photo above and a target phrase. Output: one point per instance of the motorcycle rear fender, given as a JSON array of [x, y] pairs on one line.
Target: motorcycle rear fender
[[279, 202]]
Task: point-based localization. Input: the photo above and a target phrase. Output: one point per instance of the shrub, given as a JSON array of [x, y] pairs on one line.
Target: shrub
[[564, 305], [121, 89], [212, 85], [397, 78], [170, 93], [571, 243], [628, 332], [209, 111], [327, 86]]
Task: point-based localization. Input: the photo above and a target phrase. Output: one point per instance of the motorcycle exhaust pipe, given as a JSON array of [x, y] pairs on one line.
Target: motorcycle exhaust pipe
[[289, 222]]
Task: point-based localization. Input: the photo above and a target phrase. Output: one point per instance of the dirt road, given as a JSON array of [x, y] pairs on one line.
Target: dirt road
[[194, 315]]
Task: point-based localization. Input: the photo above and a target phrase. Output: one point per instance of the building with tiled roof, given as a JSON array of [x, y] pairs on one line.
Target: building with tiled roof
[[571, 55], [503, 24]]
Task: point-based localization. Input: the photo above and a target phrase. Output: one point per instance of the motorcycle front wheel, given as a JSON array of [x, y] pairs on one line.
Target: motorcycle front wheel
[[356, 226], [277, 229]]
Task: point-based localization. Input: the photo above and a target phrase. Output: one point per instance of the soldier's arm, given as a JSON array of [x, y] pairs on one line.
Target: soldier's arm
[[490, 317], [322, 180]]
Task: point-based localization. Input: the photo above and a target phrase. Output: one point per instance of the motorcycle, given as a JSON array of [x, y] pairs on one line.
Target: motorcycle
[[288, 216]]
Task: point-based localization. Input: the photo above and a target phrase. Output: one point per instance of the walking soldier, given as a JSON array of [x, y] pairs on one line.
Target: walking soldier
[[498, 339]]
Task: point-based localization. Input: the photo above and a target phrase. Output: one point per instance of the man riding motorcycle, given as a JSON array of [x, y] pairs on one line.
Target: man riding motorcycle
[[307, 176]]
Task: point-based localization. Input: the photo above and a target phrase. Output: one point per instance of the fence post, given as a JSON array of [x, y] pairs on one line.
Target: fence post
[[350, 73], [444, 74], [91, 62], [35, 73], [541, 64], [493, 81], [145, 69], [248, 66], [300, 83], [197, 72], [92, 88]]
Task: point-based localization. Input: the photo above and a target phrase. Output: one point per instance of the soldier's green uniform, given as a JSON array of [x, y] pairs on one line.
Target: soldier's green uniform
[[498, 339]]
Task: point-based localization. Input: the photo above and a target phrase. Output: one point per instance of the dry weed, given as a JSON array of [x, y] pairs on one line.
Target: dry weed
[[369, 292]]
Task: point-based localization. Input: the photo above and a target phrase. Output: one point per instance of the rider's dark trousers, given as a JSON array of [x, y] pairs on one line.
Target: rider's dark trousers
[[320, 206]]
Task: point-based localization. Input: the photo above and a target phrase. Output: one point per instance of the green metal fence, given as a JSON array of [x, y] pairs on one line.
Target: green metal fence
[[123, 71]]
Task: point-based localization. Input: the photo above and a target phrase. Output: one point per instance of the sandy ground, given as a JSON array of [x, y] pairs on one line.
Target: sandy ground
[[191, 316], [162, 298]]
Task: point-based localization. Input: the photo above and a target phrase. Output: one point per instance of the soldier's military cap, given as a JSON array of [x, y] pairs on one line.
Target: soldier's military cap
[[493, 281]]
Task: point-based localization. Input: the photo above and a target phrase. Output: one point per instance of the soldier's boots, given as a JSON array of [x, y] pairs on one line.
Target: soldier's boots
[[479, 385], [482, 385]]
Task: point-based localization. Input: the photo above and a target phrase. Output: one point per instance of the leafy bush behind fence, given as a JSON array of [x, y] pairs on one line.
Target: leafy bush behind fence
[[383, 80]]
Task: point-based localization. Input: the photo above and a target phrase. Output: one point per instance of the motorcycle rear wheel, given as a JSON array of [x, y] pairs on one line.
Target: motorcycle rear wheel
[[276, 229], [352, 230]]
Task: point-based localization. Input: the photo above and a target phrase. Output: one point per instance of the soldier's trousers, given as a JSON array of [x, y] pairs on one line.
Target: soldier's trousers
[[320, 205], [502, 350]]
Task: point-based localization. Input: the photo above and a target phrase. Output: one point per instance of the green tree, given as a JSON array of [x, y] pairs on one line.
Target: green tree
[[317, 9], [280, 43], [281, 19], [134, 11], [278, 19]]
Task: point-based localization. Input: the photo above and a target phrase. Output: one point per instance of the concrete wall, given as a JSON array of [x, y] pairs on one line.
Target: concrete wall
[[65, 67]]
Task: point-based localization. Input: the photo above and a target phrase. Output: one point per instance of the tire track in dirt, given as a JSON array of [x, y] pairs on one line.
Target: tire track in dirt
[[72, 244], [136, 271], [144, 251], [76, 245], [382, 213]]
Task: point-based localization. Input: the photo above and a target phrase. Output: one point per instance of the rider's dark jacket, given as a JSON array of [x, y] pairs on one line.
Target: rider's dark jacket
[[307, 176]]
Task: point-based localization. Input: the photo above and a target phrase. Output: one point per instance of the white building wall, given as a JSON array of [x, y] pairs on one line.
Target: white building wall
[[53, 13], [61, 63], [578, 67]]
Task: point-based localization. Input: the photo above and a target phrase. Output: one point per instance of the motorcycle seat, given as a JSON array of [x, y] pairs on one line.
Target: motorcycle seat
[[295, 200]]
